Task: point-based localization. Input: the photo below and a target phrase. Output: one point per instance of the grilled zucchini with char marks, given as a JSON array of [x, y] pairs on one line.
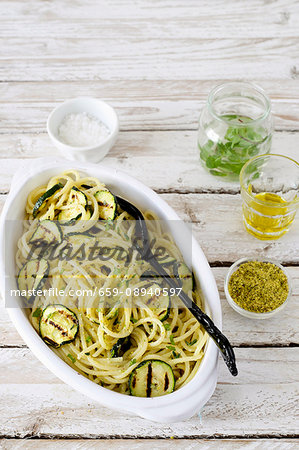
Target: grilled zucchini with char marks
[[152, 378], [47, 232], [107, 205], [42, 201], [58, 325]]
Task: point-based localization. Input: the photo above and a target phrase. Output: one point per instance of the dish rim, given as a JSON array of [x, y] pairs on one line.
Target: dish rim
[[57, 365]]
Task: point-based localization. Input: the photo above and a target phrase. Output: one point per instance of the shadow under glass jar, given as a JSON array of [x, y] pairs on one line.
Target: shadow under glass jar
[[234, 126]]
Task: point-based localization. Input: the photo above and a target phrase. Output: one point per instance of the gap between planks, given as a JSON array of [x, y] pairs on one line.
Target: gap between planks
[[140, 443]]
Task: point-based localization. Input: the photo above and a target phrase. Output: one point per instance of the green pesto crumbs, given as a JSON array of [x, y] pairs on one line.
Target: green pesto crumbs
[[258, 286]]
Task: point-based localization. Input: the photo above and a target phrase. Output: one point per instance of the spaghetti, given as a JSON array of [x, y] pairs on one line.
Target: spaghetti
[[117, 331]]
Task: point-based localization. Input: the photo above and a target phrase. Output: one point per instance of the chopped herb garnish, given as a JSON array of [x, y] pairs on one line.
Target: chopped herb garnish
[[171, 339], [166, 326], [133, 362], [126, 237], [192, 342], [170, 347], [88, 339], [71, 358], [175, 354], [37, 313], [113, 316], [133, 320]]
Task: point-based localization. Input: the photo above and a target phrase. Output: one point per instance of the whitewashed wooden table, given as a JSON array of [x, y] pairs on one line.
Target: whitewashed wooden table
[[155, 61]]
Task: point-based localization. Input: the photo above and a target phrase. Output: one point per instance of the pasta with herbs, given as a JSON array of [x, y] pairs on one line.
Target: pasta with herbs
[[110, 317]]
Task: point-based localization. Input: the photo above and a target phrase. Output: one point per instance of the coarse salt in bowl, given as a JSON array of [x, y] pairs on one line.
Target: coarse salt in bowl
[[83, 128]]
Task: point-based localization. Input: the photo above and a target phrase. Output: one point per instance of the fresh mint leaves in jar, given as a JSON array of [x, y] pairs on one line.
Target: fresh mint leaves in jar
[[235, 125]]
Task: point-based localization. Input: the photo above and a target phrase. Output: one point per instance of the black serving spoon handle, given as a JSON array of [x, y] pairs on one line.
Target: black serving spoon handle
[[145, 251]]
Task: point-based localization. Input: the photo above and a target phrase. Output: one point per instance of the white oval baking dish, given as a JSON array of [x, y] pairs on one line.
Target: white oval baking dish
[[174, 407]]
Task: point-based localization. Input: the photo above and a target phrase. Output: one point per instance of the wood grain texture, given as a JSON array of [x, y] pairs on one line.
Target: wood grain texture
[[267, 382], [84, 59], [171, 155], [141, 104], [157, 444], [159, 19], [281, 330], [263, 366], [156, 61], [163, 49]]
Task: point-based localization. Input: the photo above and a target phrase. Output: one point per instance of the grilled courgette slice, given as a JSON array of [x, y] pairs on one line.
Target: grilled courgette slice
[[58, 325], [32, 277], [70, 215], [77, 199], [184, 276], [47, 232], [152, 378], [80, 238], [159, 303], [41, 202], [107, 205]]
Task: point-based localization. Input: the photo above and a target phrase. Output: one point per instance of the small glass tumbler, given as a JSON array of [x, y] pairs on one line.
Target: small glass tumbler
[[270, 195], [234, 126]]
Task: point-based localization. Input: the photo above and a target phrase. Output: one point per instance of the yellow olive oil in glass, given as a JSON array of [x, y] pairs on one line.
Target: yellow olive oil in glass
[[271, 216], [270, 195]]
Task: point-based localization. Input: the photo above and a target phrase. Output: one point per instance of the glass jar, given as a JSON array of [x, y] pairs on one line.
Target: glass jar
[[234, 126]]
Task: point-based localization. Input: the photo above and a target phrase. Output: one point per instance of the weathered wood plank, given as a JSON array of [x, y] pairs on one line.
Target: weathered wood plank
[[253, 19], [165, 37], [267, 383], [280, 330], [141, 104], [146, 9], [261, 366], [157, 444], [224, 238], [261, 22], [172, 153], [75, 58]]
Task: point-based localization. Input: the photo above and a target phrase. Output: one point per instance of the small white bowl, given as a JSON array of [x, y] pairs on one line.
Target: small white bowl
[[97, 108], [245, 312]]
